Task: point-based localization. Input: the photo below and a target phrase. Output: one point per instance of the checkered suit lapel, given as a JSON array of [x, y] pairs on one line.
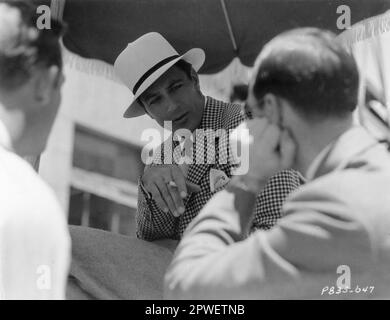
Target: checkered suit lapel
[[196, 172], [210, 120]]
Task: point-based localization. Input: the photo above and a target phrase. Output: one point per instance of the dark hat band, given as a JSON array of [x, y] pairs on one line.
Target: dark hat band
[[151, 70]]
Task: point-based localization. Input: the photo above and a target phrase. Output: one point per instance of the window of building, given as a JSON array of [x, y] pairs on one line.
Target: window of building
[[104, 182]]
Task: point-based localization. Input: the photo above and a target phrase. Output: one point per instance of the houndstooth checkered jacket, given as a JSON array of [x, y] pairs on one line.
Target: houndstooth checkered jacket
[[153, 223]]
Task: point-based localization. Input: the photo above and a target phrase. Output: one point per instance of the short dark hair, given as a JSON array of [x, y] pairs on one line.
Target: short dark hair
[[185, 66], [313, 71], [25, 46]]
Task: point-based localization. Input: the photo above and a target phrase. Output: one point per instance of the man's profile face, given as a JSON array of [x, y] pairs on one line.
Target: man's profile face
[[175, 97]]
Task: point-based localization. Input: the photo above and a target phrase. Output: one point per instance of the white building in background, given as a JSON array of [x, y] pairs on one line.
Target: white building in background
[[92, 160]]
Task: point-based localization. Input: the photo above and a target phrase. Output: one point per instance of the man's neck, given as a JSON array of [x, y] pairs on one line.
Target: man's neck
[[321, 135]]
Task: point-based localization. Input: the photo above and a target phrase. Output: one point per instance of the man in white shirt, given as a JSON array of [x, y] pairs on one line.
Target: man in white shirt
[[34, 240]]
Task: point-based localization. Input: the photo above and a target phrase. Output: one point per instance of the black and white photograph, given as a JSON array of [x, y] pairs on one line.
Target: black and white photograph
[[211, 151]]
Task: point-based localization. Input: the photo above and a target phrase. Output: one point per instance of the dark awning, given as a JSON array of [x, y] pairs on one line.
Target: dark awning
[[100, 29]]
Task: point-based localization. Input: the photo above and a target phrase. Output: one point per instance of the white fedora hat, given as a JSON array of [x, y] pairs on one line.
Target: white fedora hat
[[145, 60]]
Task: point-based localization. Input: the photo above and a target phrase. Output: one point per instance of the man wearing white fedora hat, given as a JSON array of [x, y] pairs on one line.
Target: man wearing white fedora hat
[[166, 87]]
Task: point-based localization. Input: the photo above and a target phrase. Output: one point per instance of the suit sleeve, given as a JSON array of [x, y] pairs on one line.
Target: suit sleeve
[[153, 223], [214, 262], [269, 202]]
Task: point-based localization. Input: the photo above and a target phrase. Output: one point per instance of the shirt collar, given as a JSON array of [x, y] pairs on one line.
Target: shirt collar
[[210, 119]]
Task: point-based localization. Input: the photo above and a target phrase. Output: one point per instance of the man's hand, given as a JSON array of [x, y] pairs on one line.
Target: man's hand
[[270, 149], [167, 185]]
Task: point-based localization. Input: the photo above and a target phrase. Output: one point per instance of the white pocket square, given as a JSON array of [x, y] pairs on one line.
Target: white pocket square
[[218, 179]]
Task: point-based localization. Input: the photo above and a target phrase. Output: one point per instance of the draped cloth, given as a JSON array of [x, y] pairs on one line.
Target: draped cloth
[[369, 42], [106, 265]]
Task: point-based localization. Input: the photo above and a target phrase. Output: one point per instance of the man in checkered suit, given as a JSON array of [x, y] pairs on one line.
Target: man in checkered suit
[[171, 193]]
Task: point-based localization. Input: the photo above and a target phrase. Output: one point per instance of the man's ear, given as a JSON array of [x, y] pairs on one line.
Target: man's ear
[[46, 80], [272, 108], [195, 79]]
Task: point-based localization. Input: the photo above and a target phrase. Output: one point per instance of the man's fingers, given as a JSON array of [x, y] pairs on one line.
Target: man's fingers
[[257, 127], [287, 149], [180, 181], [174, 192], [167, 194], [157, 198], [271, 136], [168, 187]]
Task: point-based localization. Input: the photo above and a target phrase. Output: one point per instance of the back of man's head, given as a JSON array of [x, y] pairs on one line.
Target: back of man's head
[[311, 70], [24, 47], [30, 76]]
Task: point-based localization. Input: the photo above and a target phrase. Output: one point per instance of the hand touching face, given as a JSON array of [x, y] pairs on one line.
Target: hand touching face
[[271, 149]]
